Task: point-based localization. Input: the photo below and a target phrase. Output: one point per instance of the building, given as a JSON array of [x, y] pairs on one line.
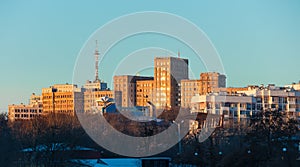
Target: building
[[276, 98], [246, 102], [144, 92], [295, 86], [223, 104], [230, 91], [95, 85], [189, 88], [211, 80], [125, 90], [93, 92], [168, 73], [62, 98], [26, 112], [35, 99]]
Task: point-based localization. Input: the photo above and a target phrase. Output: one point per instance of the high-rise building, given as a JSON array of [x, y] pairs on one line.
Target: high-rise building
[[211, 80], [168, 73], [62, 98], [125, 89]]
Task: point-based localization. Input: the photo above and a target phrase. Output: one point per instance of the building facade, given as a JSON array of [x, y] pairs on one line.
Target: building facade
[[211, 80], [222, 104], [91, 98], [189, 88], [144, 92], [295, 86], [276, 98], [24, 112], [93, 92], [125, 89], [247, 102], [63, 98], [168, 73]]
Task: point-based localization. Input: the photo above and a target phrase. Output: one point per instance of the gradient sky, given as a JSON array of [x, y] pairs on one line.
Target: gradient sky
[[258, 41]]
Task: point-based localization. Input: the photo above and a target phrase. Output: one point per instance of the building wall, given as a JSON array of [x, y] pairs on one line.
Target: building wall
[[35, 99], [276, 98], [65, 98], [168, 73], [263, 98], [295, 86], [90, 98], [144, 91], [227, 105], [24, 112], [211, 80], [189, 88], [125, 87], [229, 91]]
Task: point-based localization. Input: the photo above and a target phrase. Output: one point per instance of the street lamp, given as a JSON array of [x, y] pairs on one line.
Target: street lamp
[[179, 138]]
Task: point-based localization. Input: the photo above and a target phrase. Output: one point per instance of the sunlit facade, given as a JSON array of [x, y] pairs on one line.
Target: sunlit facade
[[62, 98]]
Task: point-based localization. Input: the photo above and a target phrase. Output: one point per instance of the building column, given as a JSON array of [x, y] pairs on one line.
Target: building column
[[239, 112]]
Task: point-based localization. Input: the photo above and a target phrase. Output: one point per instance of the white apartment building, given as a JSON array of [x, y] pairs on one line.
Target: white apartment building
[[276, 98], [247, 102], [221, 104]]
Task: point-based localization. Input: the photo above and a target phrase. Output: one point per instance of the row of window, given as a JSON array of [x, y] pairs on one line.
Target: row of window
[[25, 115], [28, 110]]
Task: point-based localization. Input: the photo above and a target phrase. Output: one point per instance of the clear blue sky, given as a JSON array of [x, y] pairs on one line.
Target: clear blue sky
[[258, 41]]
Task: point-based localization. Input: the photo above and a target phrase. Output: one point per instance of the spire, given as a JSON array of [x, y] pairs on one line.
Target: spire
[[96, 62], [178, 53]]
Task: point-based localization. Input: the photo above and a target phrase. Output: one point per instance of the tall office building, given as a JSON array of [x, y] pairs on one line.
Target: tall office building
[[62, 98], [125, 89], [168, 73]]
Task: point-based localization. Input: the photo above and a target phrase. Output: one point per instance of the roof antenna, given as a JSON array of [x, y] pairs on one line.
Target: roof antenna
[[96, 62]]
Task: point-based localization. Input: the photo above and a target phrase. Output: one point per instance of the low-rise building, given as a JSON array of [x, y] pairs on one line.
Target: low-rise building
[[246, 102], [295, 86], [276, 98], [223, 104], [23, 112]]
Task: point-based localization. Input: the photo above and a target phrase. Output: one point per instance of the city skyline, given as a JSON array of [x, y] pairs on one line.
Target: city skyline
[[39, 46]]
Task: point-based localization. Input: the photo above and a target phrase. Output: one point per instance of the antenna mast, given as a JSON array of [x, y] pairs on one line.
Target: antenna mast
[[96, 62]]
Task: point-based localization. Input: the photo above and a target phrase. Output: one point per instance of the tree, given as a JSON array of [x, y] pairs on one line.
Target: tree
[[269, 131], [8, 148]]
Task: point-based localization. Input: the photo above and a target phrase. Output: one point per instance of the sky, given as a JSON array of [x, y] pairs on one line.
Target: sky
[[258, 41]]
